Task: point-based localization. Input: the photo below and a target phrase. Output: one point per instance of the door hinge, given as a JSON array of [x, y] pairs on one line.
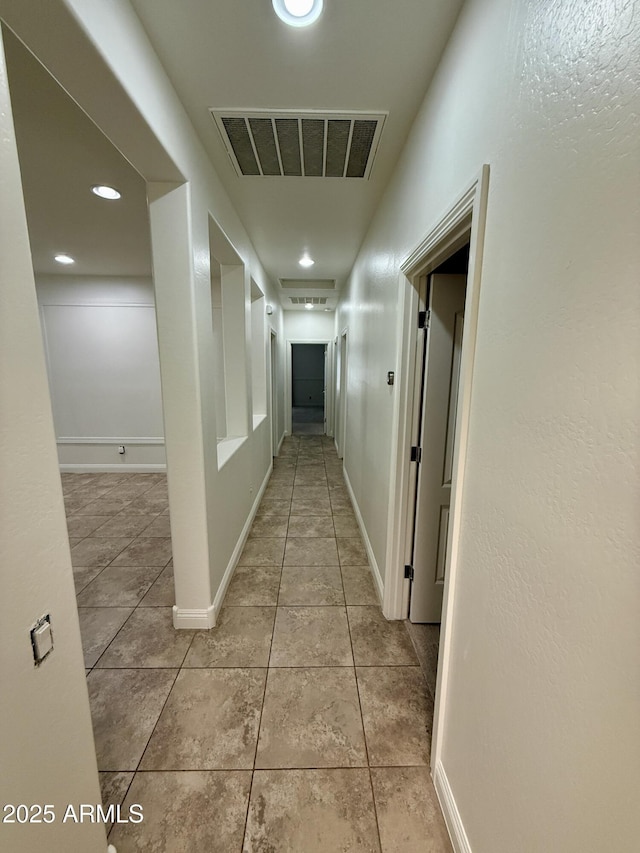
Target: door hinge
[[416, 454], [424, 319], [408, 573]]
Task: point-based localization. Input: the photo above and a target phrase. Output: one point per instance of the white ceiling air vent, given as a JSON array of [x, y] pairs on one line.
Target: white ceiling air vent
[[308, 283], [301, 143], [308, 300]]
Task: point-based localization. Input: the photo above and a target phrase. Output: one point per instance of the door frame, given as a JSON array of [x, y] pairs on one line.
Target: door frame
[[328, 373], [463, 223], [342, 360], [272, 374]]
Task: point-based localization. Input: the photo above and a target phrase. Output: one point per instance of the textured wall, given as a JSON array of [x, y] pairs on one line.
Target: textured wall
[[47, 753], [309, 325], [102, 57], [542, 744]]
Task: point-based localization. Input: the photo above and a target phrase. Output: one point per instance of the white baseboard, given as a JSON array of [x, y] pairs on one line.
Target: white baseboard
[[373, 564], [284, 435], [194, 619], [123, 468], [208, 618], [450, 811], [233, 562]]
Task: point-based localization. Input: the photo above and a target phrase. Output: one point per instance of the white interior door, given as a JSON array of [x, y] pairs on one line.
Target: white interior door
[[439, 408]]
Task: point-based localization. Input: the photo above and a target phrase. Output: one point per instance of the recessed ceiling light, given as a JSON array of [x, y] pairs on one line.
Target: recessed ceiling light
[[306, 261], [105, 192], [298, 13], [309, 306], [63, 258]]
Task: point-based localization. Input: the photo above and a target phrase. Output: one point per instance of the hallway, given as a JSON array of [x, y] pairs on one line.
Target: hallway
[[302, 720], [307, 420]]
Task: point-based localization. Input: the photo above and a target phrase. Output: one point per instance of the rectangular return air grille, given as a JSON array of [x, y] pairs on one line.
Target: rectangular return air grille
[[309, 144], [308, 300]]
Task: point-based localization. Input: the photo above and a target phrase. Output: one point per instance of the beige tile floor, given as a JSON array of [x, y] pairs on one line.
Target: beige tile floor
[[301, 723]]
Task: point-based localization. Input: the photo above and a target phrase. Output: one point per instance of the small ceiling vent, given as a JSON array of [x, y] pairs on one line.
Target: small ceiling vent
[[300, 144], [308, 283], [308, 300]]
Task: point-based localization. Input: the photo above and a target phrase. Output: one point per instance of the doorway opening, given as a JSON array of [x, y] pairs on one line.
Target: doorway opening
[[308, 389], [342, 374], [98, 321], [440, 320], [462, 227], [273, 393]]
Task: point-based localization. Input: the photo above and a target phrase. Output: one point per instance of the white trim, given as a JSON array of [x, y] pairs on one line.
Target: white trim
[[272, 409], [396, 592], [237, 551], [194, 619], [468, 213], [87, 439], [284, 435], [450, 811], [45, 304], [373, 563], [342, 373], [328, 370], [118, 468], [208, 618]]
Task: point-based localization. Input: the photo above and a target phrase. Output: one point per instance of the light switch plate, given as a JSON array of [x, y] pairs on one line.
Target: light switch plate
[[41, 639]]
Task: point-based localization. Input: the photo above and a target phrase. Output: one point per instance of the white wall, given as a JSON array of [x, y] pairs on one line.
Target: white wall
[[301, 326], [47, 753], [104, 374], [102, 57], [541, 739], [311, 327]]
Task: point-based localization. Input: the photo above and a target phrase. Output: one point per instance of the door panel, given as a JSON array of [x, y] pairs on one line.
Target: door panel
[[453, 397], [439, 408]]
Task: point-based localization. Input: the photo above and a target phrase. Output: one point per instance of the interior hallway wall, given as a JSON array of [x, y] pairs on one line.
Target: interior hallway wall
[[308, 326], [541, 746], [101, 346], [102, 57], [47, 754]]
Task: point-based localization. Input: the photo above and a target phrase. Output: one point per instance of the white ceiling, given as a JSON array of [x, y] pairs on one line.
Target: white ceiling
[[361, 56], [62, 154]]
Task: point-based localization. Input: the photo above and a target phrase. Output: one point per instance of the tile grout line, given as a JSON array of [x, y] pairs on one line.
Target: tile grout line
[[120, 669], [164, 705], [106, 648], [338, 509], [264, 693], [364, 734]]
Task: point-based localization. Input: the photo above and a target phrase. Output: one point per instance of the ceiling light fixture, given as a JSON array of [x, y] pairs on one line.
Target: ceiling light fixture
[[298, 13], [63, 258], [104, 191], [306, 261], [309, 306]]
